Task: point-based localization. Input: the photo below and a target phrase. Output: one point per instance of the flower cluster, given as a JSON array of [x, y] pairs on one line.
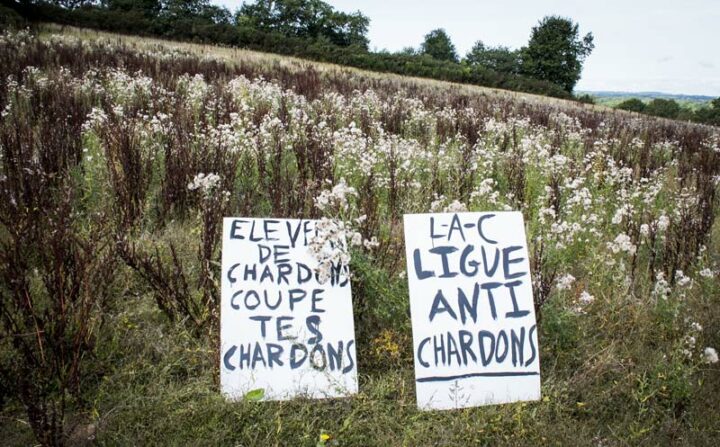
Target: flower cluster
[[335, 199], [206, 183], [594, 190], [329, 247]]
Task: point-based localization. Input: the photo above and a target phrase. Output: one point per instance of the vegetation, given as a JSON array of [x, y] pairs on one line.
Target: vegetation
[[556, 52], [669, 108], [437, 45], [10, 19], [709, 115], [664, 108], [309, 29], [109, 289], [632, 105], [500, 59], [693, 102], [309, 19]]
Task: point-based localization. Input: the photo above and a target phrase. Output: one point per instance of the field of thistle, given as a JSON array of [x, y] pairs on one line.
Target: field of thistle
[[120, 156]]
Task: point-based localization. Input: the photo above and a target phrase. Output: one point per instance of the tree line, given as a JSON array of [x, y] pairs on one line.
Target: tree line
[[555, 53], [669, 108], [550, 64]]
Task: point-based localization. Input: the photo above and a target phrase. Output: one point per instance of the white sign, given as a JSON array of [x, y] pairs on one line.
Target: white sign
[[473, 319], [282, 329]]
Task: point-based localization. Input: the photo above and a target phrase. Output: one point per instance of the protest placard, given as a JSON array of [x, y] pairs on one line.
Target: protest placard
[[473, 318], [286, 328]]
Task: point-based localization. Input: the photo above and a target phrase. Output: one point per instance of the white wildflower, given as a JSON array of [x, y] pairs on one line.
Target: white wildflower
[[622, 243], [328, 248], [710, 355], [586, 298], [706, 273], [204, 183], [356, 239], [455, 207], [565, 282], [336, 198], [682, 279], [436, 205], [662, 288], [372, 243]]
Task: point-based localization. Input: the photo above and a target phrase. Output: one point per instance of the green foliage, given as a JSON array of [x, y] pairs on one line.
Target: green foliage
[[585, 99], [437, 45], [556, 52], [308, 19], [501, 59], [622, 204], [632, 105], [664, 108], [9, 18], [309, 28], [669, 108], [709, 115], [254, 395]]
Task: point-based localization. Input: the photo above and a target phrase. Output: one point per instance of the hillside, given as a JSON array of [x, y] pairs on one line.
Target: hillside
[[612, 99], [239, 57], [121, 155], [652, 95]]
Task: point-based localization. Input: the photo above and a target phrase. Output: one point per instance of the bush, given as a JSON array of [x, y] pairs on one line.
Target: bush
[[9, 18], [632, 105], [585, 99], [664, 108]]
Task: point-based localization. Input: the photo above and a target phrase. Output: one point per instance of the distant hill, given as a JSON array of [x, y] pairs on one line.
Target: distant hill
[[613, 98], [650, 95]]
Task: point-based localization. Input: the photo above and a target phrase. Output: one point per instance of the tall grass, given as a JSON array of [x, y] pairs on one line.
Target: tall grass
[[118, 161]]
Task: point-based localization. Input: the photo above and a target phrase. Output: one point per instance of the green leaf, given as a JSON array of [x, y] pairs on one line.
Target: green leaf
[[254, 395]]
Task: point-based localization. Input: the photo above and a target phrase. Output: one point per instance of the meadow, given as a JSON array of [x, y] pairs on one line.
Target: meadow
[[120, 156]]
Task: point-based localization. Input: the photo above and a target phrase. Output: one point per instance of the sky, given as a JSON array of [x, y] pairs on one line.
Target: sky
[[669, 46]]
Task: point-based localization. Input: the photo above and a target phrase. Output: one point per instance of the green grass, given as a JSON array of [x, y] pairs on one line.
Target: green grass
[[604, 383], [613, 374]]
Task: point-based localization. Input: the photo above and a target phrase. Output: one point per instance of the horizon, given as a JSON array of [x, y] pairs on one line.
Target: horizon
[[630, 55]]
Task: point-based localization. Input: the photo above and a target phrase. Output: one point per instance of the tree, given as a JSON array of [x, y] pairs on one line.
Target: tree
[[500, 59], [216, 14], [437, 44], [408, 51], [147, 8], [190, 19], [664, 108], [556, 52], [348, 29], [305, 19], [709, 114], [632, 105], [185, 11]]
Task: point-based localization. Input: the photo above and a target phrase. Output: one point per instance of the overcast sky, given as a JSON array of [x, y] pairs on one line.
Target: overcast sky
[[669, 46]]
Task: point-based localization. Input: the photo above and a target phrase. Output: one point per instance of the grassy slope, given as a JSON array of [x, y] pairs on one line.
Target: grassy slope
[[235, 55], [598, 390]]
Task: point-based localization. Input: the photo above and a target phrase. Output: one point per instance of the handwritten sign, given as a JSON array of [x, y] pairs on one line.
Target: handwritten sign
[[284, 329], [473, 320]]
